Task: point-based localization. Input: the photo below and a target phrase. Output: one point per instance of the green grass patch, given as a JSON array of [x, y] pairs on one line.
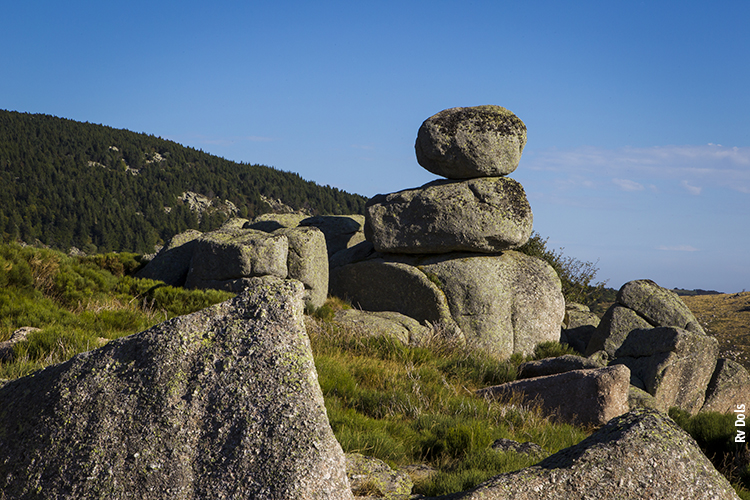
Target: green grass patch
[[414, 405], [79, 303]]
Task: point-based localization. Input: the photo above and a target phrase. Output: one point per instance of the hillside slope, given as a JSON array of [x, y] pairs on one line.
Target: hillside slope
[[67, 183], [727, 317]]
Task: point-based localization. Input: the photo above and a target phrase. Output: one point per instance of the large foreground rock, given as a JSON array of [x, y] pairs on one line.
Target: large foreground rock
[[222, 403], [640, 455], [462, 143], [478, 215], [584, 397]]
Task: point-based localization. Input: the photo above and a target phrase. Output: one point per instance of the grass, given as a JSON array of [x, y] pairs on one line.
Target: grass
[[416, 405], [726, 317], [79, 304]]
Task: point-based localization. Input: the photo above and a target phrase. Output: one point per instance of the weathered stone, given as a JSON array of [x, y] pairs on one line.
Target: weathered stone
[[341, 231], [307, 261], [478, 215], [371, 477], [671, 364], [577, 315], [272, 222], [172, 263], [729, 387], [641, 304], [234, 223], [504, 304], [615, 326], [221, 256], [638, 398], [222, 403], [578, 338], [463, 143], [640, 455], [386, 323], [527, 448], [359, 252], [659, 306], [377, 285], [600, 394], [551, 366]]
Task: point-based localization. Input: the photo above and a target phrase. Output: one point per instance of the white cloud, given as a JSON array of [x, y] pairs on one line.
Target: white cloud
[[691, 189], [708, 165], [362, 146], [679, 248], [628, 185]]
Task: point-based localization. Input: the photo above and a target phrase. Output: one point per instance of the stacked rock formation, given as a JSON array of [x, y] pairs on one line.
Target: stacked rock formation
[[443, 252]]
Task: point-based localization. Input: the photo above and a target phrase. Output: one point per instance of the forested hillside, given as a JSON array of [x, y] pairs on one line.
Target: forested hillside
[[67, 183]]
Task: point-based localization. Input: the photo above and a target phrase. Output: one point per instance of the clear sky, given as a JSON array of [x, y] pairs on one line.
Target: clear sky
[[638, 112]]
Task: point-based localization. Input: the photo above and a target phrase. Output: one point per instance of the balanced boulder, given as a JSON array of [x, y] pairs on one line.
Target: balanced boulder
[[222, 403], [478, 215], [463, 143], [640, 455]]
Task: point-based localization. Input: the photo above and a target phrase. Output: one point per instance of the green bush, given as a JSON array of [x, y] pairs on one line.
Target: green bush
[[577, 277]]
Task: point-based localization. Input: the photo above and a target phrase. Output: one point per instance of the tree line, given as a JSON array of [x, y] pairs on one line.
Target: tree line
[[72, 184]]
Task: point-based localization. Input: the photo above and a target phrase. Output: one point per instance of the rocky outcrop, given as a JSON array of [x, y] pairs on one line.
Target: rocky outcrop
[[477, 215], [642, 454], [729, 386], [307, 261], [504, 304], [501, 303], [222, 403], [340, 231], [641, 304], [225, 259], [441, 252], [464, 143], [600, 394], [671, 364]]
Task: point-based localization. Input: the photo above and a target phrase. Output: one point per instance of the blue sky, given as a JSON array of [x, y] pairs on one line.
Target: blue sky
[[638, 112]]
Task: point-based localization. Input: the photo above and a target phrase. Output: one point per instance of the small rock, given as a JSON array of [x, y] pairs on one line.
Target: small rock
[[527, 448], [370, 477]]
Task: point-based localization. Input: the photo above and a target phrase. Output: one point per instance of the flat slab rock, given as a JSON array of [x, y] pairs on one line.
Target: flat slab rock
[[640, 455], [222, 403], [600, 394]]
